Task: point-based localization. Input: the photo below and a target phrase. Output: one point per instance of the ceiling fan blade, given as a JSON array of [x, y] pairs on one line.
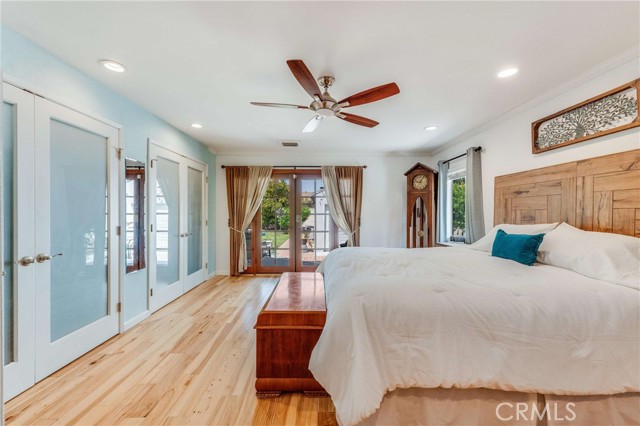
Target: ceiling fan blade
[[372, 95], [268, 104], [356, 119], [304, 77], [312, 125]]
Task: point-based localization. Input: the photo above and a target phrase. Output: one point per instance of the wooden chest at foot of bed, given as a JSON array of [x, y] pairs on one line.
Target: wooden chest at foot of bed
[[287, 329]]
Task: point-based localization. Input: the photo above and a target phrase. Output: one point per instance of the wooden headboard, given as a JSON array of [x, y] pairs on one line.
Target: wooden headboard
[[599, 194]]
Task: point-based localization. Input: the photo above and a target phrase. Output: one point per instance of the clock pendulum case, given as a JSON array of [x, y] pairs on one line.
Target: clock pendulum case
[[421, 193]]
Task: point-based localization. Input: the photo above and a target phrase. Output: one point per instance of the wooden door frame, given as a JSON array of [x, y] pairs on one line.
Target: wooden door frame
[[257, 225], [295, 251]]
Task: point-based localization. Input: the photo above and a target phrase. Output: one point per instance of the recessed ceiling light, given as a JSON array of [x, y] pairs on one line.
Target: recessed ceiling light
[[112, 65], [431, 128], [197, 126], [508, 72]]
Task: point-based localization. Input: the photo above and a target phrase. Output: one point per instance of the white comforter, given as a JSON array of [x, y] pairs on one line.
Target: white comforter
[[453, 317]]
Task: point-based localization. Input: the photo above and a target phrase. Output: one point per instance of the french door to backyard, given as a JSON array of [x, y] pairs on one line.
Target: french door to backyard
[[293, 230]]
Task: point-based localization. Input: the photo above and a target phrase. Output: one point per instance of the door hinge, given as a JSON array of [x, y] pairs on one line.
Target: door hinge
[[151, 227], [118, 307], [118, 230], [207, 179], [151, 162], [119, 153], [151, 292], [206, 265], [206, 222]]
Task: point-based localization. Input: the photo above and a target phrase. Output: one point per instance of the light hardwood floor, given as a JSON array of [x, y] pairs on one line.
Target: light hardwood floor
[[190, 363]]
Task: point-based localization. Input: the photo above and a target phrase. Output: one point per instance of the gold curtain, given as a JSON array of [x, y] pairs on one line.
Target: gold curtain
[[245, 189], [343, 185]]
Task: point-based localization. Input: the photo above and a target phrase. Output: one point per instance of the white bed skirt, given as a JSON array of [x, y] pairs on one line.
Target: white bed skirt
[[487, 407]]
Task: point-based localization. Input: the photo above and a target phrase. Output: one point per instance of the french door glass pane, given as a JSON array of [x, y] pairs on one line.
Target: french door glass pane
[[275, 213], [194, 218], [316, 222], [8, 153], [167, 223], [79, 287]]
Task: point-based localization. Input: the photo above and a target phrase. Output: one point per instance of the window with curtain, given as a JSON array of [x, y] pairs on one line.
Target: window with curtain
[[455, 201]]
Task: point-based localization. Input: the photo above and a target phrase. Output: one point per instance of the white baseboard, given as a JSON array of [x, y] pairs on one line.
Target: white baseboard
[[135, 320], [211, 275], [222, 273]]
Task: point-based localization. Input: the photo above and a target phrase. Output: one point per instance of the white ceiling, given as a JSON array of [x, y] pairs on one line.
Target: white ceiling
[[205, 61]]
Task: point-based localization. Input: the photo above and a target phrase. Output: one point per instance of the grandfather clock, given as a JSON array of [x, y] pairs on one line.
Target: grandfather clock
[[421, 206]]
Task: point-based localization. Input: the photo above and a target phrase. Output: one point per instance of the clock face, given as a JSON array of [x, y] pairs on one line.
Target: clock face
[[420, 182]]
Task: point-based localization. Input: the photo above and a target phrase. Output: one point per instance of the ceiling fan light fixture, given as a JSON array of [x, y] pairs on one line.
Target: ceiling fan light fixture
[[313, 124], [324, 105], [508, 72], [112, 65]]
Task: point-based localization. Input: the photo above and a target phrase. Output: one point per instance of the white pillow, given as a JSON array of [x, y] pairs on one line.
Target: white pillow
[[608, 257], [486, 243]]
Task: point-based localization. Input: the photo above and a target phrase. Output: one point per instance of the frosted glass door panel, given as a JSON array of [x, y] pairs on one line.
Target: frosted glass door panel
[[79, 286], [194, 221], [167, 219], [8, 157]]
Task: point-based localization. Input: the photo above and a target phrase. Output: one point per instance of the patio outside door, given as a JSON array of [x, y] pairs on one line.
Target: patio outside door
[[296, 231]]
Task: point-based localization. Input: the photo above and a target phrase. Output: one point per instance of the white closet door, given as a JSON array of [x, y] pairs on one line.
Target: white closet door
[[167, 224], [196, 230], [77, 260], [18, 240]]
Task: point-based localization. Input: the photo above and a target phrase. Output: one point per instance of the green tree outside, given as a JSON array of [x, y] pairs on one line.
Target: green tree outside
[[275, 207], [458, 204]]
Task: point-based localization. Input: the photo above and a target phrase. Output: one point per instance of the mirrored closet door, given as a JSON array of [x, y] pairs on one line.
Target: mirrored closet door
[[178, 225], [60, 242]]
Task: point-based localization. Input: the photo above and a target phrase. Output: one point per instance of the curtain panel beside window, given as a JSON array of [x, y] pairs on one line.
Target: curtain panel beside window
[[474, 213], [246, 187], [441, 222], [343, 185]]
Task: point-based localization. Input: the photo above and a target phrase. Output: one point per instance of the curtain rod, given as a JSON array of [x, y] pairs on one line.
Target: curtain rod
[[479, 148], [297, 167]]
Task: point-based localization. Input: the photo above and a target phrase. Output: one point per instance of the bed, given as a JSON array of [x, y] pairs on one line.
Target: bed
[[456, 336]]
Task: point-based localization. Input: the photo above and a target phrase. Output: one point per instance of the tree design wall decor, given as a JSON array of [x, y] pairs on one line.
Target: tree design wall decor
[[604, 114]]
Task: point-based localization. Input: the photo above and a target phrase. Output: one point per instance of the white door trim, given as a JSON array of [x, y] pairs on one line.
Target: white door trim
[[22, 85]]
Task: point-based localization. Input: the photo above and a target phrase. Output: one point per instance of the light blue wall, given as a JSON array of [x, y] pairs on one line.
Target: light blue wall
[[41, 71]]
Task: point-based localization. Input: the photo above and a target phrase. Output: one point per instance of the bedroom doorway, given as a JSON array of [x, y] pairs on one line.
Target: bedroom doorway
[[295, 231], [178, 225]]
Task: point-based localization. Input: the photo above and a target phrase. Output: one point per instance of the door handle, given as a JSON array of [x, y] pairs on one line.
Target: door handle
[[26, 261], [43, 257]]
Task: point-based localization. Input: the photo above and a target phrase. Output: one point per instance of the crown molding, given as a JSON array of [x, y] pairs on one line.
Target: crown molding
[[605, 67], [322, 154]]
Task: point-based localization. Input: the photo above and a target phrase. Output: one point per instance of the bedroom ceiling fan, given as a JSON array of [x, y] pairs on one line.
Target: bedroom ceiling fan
[[324, 105]]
